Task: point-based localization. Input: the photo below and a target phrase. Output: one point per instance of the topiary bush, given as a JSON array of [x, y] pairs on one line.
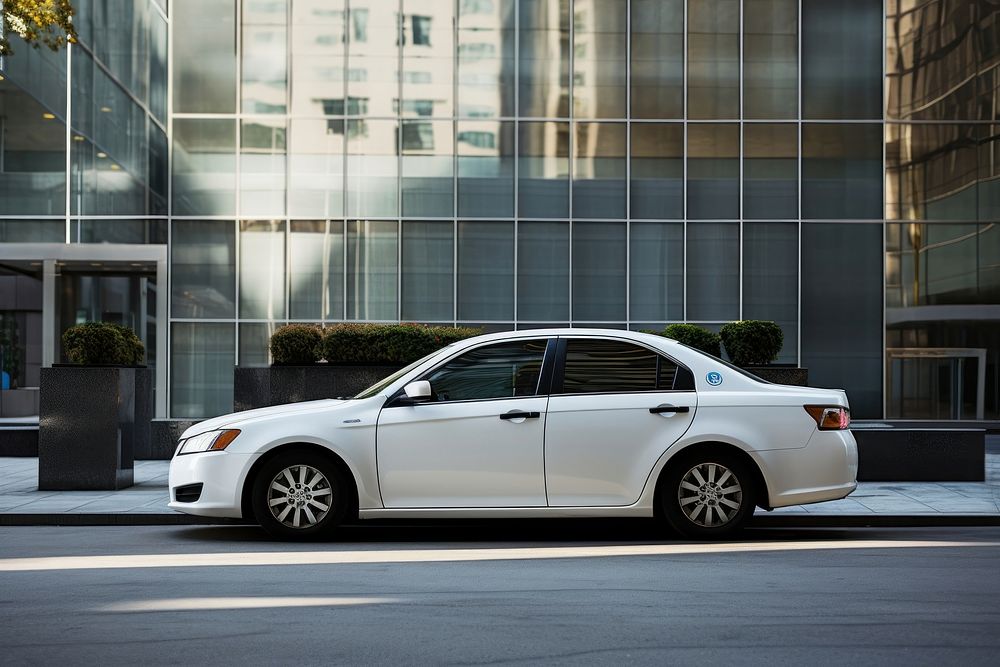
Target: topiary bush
[[103, 344], [387, 343], [695, 336], [752, 342], [296, 344]]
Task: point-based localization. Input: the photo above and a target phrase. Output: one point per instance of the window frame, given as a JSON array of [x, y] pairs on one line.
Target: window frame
[[542, 388], [559, 370]]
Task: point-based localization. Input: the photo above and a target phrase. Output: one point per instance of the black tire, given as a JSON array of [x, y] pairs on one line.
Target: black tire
[[710, 515], [300, 502]]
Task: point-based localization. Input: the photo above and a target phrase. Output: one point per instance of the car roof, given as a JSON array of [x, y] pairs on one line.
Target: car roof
[[569, 331]]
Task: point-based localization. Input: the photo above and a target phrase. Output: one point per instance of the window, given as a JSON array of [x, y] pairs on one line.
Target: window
[[355, 106], [612, 366], [421, 30], [505, 370], [359, 19]]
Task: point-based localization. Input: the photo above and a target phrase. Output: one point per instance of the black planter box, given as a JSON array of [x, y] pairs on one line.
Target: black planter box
[[792, 375], [164, 434], [86, 428], [260, 387], [889, 454]]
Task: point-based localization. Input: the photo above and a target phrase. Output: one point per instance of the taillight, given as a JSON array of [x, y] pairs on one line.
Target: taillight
[[829, 417]]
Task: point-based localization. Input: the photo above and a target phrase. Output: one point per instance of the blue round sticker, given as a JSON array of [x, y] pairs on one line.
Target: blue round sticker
[[714, 378]]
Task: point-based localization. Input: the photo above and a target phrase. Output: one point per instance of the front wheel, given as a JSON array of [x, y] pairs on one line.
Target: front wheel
[[299, 495], [708, 495]]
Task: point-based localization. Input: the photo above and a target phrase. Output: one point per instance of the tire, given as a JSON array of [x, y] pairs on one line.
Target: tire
[[700, 508], [290, 492]]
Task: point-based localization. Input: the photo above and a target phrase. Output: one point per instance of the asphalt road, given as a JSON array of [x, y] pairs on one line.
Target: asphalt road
[[528, 592]]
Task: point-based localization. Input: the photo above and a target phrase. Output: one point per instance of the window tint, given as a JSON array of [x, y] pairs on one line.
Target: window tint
[[495, 371], [608, 366]]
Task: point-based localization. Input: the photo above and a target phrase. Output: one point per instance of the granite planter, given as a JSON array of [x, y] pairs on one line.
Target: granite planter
[[86, 428], [264, 386], [779, 374]]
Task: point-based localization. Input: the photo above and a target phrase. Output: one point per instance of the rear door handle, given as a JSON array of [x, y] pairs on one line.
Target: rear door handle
[[520, 414], [659, 409]]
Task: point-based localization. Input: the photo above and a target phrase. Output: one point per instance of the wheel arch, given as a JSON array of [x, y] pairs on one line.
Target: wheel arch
[[246, 499], [707, 447]]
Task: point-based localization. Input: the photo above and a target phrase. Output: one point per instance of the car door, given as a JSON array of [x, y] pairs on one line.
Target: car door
[[615, 407], [478, 441]]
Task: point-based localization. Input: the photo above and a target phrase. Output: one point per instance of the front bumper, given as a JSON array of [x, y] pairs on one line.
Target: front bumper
[[221, 475]]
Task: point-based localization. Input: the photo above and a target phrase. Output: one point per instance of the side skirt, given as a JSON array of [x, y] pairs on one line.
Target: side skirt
[[631, 511]]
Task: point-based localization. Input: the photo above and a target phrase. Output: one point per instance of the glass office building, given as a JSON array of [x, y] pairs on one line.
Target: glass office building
[[207, 170]]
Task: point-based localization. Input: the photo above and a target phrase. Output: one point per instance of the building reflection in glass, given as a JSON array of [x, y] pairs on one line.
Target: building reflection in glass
[[942, 202]]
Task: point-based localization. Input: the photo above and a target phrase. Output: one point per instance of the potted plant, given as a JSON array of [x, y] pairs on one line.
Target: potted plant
[[694, 336], [310, 363], [91, 411], [754, 345]]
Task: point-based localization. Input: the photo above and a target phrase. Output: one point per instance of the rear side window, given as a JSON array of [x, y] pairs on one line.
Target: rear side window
[[610, 366], [504, 370]]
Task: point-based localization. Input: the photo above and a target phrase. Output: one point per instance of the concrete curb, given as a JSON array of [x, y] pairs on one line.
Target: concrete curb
[[759, 520], [110, 519], [872, 520]]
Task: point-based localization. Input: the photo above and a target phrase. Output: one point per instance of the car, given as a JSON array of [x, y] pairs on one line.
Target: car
[[536, 423]]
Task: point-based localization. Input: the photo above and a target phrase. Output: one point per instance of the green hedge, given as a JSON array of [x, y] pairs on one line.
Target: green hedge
[[695, 336], [296, 344], [752, 342], [386, 343], [103, 344]]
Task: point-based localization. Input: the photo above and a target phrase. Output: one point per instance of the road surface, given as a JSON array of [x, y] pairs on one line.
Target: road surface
[[576, 592]]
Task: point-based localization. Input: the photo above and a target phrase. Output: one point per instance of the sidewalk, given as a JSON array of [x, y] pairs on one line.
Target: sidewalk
[[146, 503]]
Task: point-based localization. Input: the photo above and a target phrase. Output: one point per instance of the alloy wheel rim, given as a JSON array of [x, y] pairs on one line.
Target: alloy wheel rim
[[300, 496], [710, 495]]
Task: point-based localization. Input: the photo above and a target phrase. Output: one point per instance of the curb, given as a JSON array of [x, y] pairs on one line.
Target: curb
[[872, 520], [111, 519], [758, 521]]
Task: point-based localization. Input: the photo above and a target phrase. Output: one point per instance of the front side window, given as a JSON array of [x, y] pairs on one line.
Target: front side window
[[505, 370], [611, 366]]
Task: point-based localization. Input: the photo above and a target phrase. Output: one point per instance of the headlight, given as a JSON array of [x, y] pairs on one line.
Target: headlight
[[212, 441]]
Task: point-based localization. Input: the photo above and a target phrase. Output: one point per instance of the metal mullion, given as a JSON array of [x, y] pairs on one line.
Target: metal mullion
[[400, 20], [239, 165], [885, 333], [739, 50], [168, 290], [684, 160], [68, 139], [517, 149], [345, 157], [454, 163], [628, 164], [798, 101], [571, 145]]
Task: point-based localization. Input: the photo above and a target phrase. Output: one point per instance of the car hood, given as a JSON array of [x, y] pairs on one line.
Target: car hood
[[237, 419]]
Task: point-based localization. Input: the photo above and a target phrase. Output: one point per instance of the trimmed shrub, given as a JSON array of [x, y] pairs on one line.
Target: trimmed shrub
[[296, 344], [103, 344], [386, 343], [695, 336], [752, 342]]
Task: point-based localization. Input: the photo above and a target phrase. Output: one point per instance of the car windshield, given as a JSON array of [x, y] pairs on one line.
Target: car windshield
[[382, 384]]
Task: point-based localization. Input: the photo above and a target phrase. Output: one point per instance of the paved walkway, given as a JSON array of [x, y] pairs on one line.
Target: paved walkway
[[19, 494]]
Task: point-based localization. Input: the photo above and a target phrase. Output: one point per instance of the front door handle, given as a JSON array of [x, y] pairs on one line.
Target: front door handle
[[660, 409], [520, 414]]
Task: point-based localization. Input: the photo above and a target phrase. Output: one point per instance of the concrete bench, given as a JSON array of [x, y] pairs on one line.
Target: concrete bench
[[891, 453]]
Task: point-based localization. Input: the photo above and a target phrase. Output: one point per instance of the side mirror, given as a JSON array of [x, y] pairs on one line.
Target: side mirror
[[418, 391]]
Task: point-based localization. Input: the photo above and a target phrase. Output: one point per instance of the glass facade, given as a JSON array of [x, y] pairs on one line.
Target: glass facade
[[523, 163]]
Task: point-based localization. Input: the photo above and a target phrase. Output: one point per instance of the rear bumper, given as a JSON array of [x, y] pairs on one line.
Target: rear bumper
[[825, 469], [221, 476]]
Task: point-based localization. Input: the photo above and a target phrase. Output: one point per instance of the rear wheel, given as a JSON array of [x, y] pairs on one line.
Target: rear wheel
[[709, 495], [299, 495]]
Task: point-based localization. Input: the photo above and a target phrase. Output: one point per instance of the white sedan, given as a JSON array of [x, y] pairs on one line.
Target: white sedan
[[541, 423]]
